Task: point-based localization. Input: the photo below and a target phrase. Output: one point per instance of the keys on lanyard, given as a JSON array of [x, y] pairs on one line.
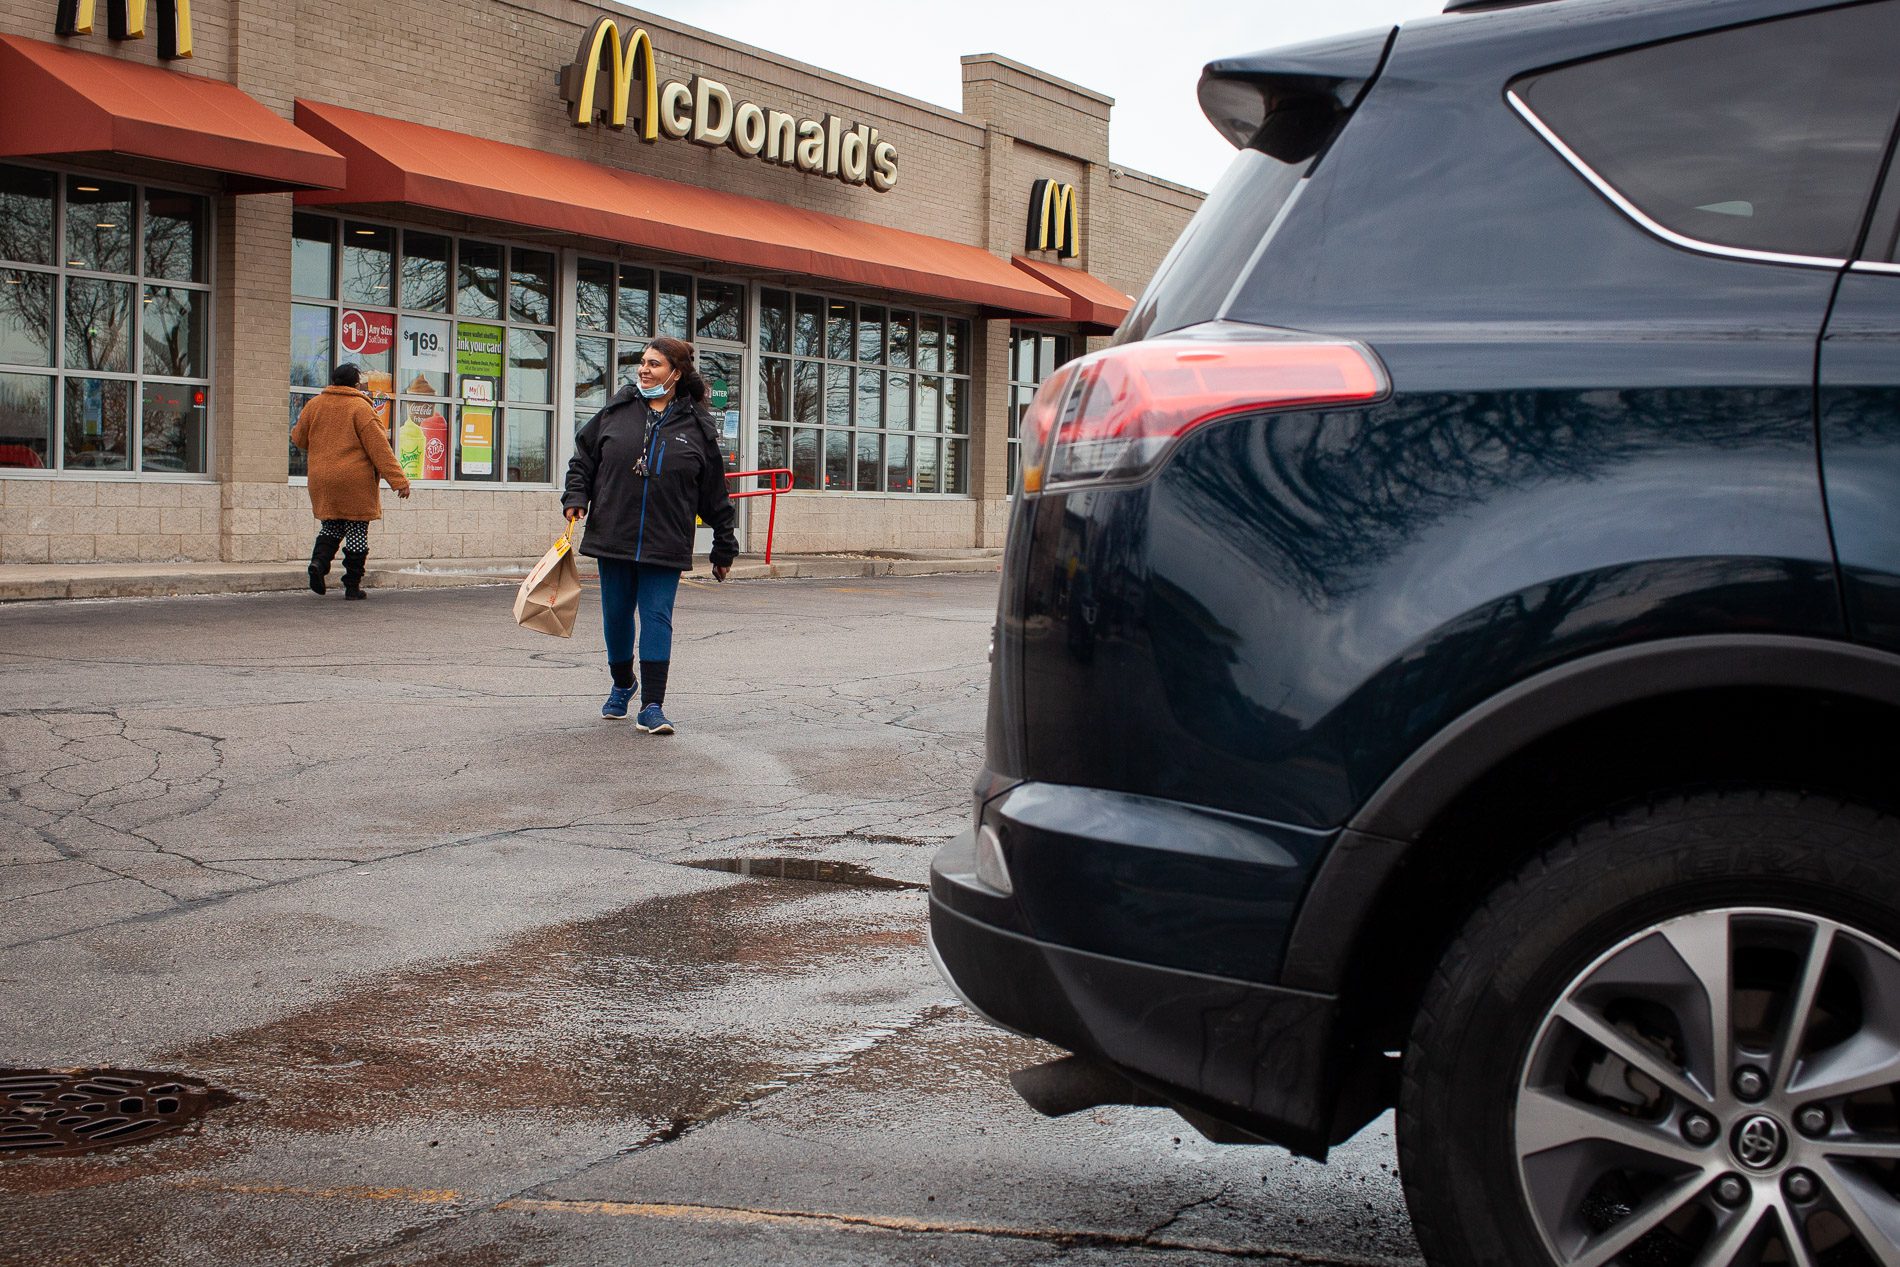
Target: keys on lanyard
[[646, 443]]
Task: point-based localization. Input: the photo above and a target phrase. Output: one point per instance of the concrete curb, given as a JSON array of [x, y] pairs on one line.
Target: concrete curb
[[39, 582]]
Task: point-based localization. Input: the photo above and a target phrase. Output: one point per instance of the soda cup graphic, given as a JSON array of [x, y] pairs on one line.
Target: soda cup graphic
[[435, 447], [409, 445]]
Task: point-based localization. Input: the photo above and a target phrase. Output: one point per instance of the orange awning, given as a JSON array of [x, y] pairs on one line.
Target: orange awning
[[60, 101], [396, 162], [1092, 301]]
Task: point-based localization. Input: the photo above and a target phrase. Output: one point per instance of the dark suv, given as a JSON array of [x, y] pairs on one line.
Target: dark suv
[[1449, 648]]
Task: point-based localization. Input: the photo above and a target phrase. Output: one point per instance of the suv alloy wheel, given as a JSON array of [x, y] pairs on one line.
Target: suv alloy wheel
[[1669, 1040]]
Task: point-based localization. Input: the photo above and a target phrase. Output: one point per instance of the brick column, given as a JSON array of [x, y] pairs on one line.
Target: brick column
[[261, 517]]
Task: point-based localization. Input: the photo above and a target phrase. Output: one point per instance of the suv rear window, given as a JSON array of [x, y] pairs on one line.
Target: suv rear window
[[1193, 282], [1765, 137]]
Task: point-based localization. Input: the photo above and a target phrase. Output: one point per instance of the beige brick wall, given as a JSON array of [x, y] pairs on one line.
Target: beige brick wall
[[964, 176], [107, 521]]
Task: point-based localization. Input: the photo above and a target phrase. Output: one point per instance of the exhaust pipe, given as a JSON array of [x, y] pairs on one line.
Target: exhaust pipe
[[1072, 1084]]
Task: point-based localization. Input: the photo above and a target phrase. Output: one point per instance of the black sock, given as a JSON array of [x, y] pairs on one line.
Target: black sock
[[653, 681], [622, 671]]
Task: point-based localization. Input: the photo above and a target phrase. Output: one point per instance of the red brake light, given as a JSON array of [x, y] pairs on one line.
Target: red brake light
[[1117, 412]]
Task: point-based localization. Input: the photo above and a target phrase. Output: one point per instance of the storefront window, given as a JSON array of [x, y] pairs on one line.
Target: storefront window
[[531, 287], [886, 429], [26, 317], [369, 253], [720, 308], [101, 339], [425, 272], [1033, 357], [98, 225], [594, 296], [676, 301], [98, 424], [468, 391], [174, 237], [26, 421], [478, 289], [618, 310], [175, 332], [313, 257], [26, 215]]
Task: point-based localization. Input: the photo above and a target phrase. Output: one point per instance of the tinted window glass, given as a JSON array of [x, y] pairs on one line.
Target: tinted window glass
[[1193, 282], [1765, 137]]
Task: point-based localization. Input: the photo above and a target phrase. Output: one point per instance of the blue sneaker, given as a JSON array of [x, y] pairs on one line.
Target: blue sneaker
[[653, 721], [617, 700]]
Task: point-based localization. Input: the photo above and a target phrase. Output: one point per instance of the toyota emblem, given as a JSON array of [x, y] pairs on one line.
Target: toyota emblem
[[1759, 1142]]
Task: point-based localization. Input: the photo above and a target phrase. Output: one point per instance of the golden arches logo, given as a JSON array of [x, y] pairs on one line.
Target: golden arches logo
[[631, 57], [1054, 224], [125, 20]]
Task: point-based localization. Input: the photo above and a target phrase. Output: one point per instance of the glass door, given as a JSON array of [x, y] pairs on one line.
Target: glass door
[[722, 365]]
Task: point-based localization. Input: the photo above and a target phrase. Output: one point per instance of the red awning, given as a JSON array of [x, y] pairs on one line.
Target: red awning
[[1092, 301], [60, 101], [396, 162]]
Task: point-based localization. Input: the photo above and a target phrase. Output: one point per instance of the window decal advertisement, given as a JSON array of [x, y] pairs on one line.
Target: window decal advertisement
[[366, 333], [425, 346], [478, 440], [478, 351]]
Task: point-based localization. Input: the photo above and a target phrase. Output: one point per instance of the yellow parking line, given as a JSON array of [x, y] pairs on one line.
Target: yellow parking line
[[364, 1192], [746, 1216]]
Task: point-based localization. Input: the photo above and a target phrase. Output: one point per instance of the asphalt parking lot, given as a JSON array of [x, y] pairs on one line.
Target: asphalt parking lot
[[486, 979]]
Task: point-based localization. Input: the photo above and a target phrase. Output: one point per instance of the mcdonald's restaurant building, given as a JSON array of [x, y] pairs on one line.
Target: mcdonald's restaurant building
[[491, 205]]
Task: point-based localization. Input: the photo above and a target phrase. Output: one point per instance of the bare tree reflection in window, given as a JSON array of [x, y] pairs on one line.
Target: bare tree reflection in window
[[26, 215], [174, 237], [98, 325], [26, 317]]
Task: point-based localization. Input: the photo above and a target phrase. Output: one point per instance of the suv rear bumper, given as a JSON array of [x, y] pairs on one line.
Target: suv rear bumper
[[1260, 1058]]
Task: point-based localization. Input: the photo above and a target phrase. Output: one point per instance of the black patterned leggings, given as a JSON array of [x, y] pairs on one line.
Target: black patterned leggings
[[355, 533]]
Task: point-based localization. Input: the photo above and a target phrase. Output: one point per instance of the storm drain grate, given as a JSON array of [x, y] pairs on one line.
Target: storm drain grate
[[60, 1112], [819, 870]]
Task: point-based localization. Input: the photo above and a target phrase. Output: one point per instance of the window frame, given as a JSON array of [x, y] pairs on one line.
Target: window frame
[[1627, 205], [139, 281], [505, 408], [956, 431], [1064, 352]]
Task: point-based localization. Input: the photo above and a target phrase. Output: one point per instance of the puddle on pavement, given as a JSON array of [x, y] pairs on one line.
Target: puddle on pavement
[[817, 870], [644, 1022], [66, 1112]]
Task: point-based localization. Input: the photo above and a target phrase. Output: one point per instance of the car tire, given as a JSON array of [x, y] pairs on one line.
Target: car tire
[[1568, 1094]]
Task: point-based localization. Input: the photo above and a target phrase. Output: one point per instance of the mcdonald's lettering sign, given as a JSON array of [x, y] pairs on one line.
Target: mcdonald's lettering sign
[[703, 111], [1053, 222], [125, 20]]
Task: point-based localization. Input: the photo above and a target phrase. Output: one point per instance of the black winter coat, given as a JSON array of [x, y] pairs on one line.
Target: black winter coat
[[649, 518]]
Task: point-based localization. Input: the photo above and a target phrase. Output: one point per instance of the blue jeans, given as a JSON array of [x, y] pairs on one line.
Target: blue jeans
[[626, 587]]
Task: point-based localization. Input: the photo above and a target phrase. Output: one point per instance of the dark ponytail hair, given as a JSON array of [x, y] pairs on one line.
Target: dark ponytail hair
[[691, 387]]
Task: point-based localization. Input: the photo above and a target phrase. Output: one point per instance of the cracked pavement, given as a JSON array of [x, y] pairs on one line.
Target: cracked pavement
[[382, 872]]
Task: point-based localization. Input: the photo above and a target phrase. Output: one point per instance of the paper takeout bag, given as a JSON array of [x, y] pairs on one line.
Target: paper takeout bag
[[550, 599]]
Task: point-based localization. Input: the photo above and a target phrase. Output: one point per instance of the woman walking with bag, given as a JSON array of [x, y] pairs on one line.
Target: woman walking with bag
[[644, 469], [348, 449]]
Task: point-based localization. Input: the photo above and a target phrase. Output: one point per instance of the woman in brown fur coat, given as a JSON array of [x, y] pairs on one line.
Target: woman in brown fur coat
[[348, 450]]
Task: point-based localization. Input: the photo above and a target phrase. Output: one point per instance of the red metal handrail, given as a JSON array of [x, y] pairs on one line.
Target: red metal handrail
[[772, 491]]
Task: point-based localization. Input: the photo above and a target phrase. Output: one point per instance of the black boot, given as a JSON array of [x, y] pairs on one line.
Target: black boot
[[353, 562], [320, 556]]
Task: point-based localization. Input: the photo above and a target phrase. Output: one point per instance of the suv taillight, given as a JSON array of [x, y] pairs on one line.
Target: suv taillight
[[1114, 414]]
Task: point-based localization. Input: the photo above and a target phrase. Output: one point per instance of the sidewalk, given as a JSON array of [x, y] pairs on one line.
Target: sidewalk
[[25, 581]]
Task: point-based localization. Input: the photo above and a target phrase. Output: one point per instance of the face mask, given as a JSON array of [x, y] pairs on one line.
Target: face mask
[[656, 391]]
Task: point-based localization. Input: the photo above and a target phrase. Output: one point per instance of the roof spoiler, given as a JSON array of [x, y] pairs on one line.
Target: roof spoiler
[[1288, 103]]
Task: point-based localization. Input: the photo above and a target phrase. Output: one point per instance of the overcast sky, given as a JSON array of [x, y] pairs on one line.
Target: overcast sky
[[1148, 56]]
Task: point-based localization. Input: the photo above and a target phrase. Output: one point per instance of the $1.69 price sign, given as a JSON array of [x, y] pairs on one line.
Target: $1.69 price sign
[[425, 344]]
